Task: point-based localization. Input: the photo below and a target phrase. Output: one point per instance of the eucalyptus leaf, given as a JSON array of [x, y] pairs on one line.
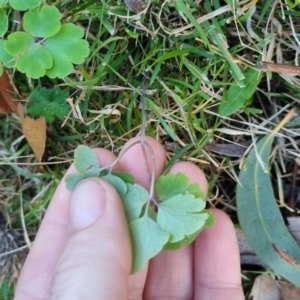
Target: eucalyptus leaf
[[260, 217]]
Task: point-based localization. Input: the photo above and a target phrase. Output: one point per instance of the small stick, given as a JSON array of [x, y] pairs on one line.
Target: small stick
[[278, 68]]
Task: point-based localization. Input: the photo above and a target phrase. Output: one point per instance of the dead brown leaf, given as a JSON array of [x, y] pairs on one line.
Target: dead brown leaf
[[265, 288], [289, 291], [35, 132], [232, 150], [7, 103]]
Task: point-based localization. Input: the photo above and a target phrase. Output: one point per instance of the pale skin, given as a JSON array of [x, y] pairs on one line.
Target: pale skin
[[76, 257]]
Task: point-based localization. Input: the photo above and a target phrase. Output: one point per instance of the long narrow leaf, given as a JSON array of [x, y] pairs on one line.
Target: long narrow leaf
[[261, 219]]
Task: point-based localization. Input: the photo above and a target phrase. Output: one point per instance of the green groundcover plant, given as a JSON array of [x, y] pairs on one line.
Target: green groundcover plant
[[45, 46], [48, 103], [171, 218]]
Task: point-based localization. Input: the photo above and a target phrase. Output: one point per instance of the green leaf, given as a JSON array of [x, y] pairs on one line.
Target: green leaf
[[85, 158], [260, 217], [173, 246], [24, 4], [2, 2], [35, 61], [73, 179], [126, 177], [62, 46], [117, 183], [43, 22], [49, 103], [18, 42], [171, 185], [179, 216], [148, 240], [211, 218], [3, 22], [136, 197], [293, 4], [194, 189], [8, 60], [220, 41], [237, 96]]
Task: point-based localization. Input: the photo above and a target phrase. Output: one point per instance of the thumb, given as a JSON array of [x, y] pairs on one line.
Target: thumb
[[96, 260]]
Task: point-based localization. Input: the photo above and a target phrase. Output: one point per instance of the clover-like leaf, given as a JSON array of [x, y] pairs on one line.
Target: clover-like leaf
[[73, 179], [35, 61], [42, 22], [67, 48], [2, 2], [180, 216], [126, 177], [3, 22], [5, 58], [134, 200], [85, 158], [117, 183], [148, 240], [48, 103], [24, 4], [171, 185], [18, 42]]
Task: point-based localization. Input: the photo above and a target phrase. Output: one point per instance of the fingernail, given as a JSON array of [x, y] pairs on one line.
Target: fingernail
[[87, 204]]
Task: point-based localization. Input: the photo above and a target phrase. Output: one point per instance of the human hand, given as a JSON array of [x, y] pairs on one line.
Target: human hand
[[83, 249]]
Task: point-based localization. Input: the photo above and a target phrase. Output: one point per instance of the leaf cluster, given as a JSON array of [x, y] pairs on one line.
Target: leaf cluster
[[45, 46], [172, 219], [48, 103]]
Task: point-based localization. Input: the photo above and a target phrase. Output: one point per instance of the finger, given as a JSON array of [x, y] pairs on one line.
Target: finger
[[96, 260], [170, 274], [35, 278], [132, 161], [217, 261]]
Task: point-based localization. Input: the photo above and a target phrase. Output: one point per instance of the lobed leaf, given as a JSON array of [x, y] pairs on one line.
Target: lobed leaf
[[41, 57], [179, 216], [3, 22], [261, 219], [2, 2], [42, 22], [85, 158], [148, 240], [7, 59], [171, 185], [24, 4], [18, 42], [126, 177], [49, 103], [73, 179], [62, 46], [134, 200], [117, 183]]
